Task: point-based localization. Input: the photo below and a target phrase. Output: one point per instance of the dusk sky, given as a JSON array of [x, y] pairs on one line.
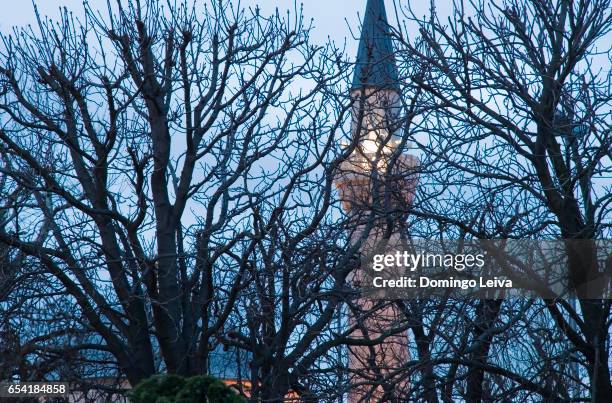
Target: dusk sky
[[331, 17]]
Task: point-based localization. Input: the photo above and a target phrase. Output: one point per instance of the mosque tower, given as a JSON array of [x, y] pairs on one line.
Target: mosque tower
[[376, 184]]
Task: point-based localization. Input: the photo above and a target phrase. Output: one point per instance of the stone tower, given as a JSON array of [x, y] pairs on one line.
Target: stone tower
[[376, 185]]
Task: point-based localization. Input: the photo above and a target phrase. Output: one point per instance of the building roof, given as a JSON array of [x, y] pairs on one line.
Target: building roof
[[229, 363], [375, 66]]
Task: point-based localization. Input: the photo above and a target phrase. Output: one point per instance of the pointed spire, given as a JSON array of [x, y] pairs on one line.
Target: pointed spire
[[375, 66]]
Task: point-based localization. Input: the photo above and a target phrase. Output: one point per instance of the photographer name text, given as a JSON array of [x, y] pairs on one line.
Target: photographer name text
[[413, 262]]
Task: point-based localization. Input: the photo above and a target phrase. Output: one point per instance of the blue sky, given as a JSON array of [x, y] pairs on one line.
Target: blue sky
[[331, 17]]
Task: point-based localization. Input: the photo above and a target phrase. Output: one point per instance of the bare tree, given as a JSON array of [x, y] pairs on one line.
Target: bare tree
[[155, 147], [516, 121], [175, 174]]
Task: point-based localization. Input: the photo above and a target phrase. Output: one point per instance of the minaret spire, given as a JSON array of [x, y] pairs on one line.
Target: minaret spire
[[376, 167], [375, 66]]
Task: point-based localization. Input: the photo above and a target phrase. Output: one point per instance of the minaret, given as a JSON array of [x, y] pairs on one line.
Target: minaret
[[376, 184]]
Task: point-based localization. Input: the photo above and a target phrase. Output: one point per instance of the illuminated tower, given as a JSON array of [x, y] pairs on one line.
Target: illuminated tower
[[376, 186]]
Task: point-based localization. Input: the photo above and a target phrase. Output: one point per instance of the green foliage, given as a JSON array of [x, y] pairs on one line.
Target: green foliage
[[176, 389]]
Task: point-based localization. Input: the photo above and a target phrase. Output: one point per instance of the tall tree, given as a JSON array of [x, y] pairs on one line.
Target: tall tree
[[142, 131], [519, 143]]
